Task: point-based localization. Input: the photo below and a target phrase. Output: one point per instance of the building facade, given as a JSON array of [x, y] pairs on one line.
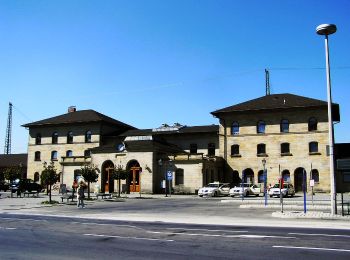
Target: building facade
[[289, 132]]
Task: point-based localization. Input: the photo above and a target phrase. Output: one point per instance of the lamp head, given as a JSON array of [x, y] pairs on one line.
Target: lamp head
[[326, 29]]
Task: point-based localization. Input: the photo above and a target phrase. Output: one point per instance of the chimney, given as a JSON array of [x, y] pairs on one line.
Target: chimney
[[72, 109]]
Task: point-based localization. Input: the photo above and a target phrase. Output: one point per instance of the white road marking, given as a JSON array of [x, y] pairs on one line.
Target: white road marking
[[210, 230], [216, 235], [314, 248], [324, 235], [114, 225], [9, 228], [136, 238]]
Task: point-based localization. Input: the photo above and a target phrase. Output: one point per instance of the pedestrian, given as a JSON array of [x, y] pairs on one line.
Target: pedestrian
[[80, 195]]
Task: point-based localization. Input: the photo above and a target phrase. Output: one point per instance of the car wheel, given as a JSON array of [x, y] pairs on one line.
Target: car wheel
[[270, 196], [257, 195], [200, 195], [232, 196]]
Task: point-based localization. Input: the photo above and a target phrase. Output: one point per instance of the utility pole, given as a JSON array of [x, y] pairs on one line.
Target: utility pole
[[7, 149], [267, 77]]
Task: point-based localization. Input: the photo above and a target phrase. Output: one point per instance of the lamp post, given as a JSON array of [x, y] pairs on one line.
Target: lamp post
[[265, 180], [327, 29]]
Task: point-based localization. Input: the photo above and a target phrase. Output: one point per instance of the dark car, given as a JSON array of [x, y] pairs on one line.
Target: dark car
[[4, 186], [25, 185]]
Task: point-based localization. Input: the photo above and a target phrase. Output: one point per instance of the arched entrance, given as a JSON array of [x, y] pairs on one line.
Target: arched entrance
[[248, 176], [134, 182], [107, 182], [300, 179]]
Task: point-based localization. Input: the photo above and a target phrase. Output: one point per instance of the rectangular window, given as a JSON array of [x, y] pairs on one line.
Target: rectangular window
[[261, 149], [179, 177], [234, 150], [285, 149], [211, 149], [193, 148]]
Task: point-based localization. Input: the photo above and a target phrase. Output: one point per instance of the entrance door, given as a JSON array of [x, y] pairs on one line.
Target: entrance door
[[109, 180], [300, 179], [135, 179]]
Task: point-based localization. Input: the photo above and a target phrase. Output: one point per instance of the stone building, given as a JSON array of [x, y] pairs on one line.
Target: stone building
[[84, 137], [290, 132]]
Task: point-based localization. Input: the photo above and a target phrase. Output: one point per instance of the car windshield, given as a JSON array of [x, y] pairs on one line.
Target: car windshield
[[278, 186], [212, 185]]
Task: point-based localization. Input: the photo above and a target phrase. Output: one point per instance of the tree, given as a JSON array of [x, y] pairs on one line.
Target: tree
[[12, 173], [90, 174], [119, 174], [49, 176]]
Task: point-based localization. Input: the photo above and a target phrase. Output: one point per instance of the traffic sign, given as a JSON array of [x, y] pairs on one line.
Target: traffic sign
[[169, 175]]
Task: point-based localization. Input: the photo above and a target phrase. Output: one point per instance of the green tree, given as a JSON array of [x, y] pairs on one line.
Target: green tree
[[49, 176], [90, 174], [119, 174], [12, 173]]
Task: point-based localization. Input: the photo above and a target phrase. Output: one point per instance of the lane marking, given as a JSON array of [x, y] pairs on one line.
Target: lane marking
[[216, 235], [314, 248], [136, 238], [210, 230], [325, 235], [9, 228], [107, 224]]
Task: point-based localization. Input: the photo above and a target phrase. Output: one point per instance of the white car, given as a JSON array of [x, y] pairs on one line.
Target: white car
[[246, 189], [287, 190], [214, 189]]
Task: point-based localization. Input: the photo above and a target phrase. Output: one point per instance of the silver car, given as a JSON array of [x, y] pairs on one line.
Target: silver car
[[245, 189], [214, 189], [286, 190]]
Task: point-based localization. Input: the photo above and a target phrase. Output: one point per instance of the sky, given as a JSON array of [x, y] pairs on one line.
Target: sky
[[164, 61]]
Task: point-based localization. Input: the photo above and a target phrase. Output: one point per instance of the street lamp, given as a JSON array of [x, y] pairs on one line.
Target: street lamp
[[327, 29], [265, 180]]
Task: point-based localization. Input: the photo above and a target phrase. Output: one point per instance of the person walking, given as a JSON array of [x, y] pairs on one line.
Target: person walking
[[80, 195]]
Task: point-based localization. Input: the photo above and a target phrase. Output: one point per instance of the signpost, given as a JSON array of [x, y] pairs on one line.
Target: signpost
[[169, 176]]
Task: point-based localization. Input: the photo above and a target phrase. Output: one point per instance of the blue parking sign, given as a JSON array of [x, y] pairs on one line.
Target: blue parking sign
[[169, 175]]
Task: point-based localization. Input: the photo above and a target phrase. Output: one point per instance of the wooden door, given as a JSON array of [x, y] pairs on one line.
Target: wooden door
[[135, 179]]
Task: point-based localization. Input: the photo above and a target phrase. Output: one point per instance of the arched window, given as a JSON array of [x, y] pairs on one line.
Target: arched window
[[55, 138], [261, 149], [37, 156], [286, 176], [54, 156], [313, 147], [235, 128], [261, 177], [36, 177], [315, 176], [234, 149], [285, 148], [179, 176], [260, 128], [312, 124], [88, 136], [284, 126], [38, 138], [69, 153], [70, 137]]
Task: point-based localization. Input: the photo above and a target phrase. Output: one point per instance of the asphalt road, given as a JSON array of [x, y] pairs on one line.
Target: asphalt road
[[49, 237]]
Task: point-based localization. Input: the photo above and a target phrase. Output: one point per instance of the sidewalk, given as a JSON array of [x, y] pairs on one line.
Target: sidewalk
[[293, 216]]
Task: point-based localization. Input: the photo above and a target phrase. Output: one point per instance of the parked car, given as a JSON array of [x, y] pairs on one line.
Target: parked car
[[246, 190], [287, 190], [25, 185], [214, 189], [4, 186]]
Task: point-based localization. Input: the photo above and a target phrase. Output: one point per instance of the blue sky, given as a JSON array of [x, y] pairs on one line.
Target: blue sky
[[151, 62]]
